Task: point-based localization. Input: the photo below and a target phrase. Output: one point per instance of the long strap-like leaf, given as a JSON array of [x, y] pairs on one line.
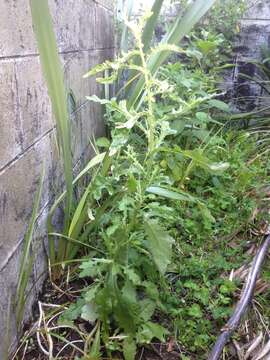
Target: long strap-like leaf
[[150, 26], [180, 28], [124, 38], [53, 73], [26, 258], [147, 36]]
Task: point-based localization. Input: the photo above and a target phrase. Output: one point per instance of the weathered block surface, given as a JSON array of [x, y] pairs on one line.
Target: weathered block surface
[[10, 132], [32, 100], [104, 29], [76, 26], [258, 10], [26, 110], [84, 31], [8, 282], [19, 39], [74, 23], [18, 184], [254, 35]]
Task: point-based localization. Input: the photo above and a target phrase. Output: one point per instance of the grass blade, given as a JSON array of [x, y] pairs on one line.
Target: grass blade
[[91, 164], [27, 260], [87, 200], [7, 336]]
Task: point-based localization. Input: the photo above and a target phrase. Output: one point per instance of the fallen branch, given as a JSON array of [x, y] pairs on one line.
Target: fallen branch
[[243, 303]]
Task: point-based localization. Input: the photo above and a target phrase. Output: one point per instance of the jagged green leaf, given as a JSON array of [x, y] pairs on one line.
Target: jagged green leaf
[[159, 243], [129, 349]]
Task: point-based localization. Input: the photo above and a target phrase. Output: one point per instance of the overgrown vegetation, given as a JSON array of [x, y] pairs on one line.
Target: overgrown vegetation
[[172, 203]]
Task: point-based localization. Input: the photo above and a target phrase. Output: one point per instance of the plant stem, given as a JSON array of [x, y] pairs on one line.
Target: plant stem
[[150, 114]]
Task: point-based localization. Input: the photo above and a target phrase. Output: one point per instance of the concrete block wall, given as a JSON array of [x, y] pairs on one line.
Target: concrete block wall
[[85, 36], [254, 33]]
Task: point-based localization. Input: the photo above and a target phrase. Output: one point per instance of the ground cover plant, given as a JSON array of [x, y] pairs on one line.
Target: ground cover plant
[[173, 206]]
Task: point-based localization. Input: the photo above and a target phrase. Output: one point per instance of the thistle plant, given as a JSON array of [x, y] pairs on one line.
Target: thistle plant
[[121, 215]]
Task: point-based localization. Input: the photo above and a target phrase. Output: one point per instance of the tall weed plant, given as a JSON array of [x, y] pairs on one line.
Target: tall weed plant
[[51, 64], [122, 214]]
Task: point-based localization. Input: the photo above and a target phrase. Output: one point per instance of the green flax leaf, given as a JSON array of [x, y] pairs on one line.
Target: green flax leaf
[[181, 27], [53, 73]]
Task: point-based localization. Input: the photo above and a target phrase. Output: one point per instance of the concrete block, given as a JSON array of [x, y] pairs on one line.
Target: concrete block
[[16, 28], [26, 110], [18, 185], [104, 29], [8, 282], [258, 10], [253, 33], [11, 133], [74, 28], [33, 101], [75, 66]]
